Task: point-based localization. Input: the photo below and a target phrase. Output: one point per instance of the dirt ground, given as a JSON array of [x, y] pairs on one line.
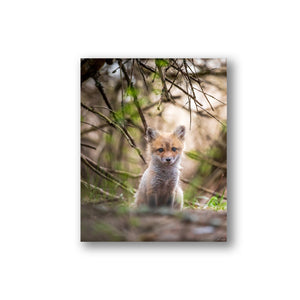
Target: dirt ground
[[99, 223]]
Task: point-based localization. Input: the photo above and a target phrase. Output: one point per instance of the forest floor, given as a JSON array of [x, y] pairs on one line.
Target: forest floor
[[99, 223]]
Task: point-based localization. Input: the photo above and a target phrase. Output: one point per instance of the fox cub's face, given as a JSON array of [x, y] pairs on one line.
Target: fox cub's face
[[166, 148]]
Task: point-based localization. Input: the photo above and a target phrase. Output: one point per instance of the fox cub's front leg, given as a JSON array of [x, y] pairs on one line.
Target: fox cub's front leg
[[178, 201], [170, 200], [152, 200]]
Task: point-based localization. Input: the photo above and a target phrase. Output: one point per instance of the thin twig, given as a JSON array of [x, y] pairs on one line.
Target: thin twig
[[196, 74], [185, 92], [151, 105], [101, 90], [143, 76], [188, 77], [123, 70], [122, 94], [224, 103], [121, 172], [212, 162], [201, 113], [131, 72], [162, 78], [114, 124], [201, 188], [113, 197], [135, 100], [105, 174], [88, 146], [199, 83], [101, 106], [94, 128], [173, 81]]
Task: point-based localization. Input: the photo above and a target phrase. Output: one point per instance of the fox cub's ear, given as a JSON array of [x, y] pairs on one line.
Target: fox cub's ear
[[151, 134], [180, 132]]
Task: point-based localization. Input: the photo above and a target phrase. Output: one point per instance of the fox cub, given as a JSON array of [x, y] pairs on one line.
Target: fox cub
[[159, 184]]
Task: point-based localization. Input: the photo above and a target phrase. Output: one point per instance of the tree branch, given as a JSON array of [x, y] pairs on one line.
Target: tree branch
[[201, 188], [113, 197], [105, 174], [114, 124], [88, 146], [185, 92], [135, 100]]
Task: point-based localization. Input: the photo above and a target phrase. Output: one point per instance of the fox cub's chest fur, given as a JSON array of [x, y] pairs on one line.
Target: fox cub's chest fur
[[164, 180], [159, 184]]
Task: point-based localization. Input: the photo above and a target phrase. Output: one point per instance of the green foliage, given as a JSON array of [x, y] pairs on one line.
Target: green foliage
[[190, 202], [193, 155], [157, 91], [224, 129], [217, 202], [131, 91], [191, 192], [130, 109], [205, 168], [215, 153], [108, 138], [128, 112], [154, 75], [119, 116], [161, 62]]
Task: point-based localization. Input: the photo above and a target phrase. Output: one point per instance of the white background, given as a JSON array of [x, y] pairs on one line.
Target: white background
[[40, 253]]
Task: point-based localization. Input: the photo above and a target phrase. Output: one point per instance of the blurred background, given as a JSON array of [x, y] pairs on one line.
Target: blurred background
[[121, 97]]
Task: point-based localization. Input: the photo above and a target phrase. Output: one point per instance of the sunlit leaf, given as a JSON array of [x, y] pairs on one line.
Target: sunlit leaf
[[131, 91], [162, 62]]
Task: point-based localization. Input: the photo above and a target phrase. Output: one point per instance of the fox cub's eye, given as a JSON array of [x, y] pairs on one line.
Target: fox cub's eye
[[174, 149], [160, 150]]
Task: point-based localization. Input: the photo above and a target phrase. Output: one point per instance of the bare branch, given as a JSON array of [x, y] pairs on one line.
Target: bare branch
[[178, 68], [201, 188], [122, 67], [135, 100], [105, 174], [199, 83], [185, 92], [162, 78], [107, 194], [101, 90], [209, 160], [121, 172], [143, 76], [88, 146], [114, 124]]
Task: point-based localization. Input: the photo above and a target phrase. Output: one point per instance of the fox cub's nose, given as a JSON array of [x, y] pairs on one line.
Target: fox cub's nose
[[168, 159]]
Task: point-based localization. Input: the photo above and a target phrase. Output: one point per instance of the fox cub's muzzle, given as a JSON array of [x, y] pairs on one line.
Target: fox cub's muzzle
[[169, 160]]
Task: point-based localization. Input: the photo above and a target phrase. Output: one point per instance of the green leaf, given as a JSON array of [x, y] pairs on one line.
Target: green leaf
[[162, 62], [205, 168], [215, 153], [131, 91], [193, 155], [213, 201], [157, 91], [119, 116]]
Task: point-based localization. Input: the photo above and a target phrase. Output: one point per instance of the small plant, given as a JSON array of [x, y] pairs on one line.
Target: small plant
[[217, 202]]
